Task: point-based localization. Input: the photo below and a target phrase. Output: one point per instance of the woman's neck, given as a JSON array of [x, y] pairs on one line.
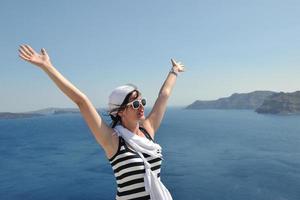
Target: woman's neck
[[132, 126]]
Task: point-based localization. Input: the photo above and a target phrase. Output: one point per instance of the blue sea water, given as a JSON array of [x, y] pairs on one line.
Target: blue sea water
[[208, 155]]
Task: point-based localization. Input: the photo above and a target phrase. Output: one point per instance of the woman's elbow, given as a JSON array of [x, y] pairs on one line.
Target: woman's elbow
[[81, 100], [165, 93]]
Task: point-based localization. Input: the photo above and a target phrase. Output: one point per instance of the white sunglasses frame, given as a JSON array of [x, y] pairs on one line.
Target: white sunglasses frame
[[140, 103]]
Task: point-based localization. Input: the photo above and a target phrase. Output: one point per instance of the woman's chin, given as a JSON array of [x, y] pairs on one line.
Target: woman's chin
[[141, 116]]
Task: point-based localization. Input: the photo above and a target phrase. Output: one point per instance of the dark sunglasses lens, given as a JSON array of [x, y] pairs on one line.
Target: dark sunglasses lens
[[135, 104], [143, 102]]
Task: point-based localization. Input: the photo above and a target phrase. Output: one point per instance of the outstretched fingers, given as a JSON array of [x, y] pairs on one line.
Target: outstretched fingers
[[23, 54], [178, 64], [183, 68], [25, 51], [29, 49], [24, 57]]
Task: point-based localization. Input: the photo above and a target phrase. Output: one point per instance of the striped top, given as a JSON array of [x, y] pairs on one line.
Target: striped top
[[129, 171]]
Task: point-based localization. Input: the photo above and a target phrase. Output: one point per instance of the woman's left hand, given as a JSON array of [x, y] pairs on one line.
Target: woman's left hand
[[177, 66]]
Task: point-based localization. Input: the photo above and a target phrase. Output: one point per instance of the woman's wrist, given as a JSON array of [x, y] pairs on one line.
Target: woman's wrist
[[45, 65], [174, 71]]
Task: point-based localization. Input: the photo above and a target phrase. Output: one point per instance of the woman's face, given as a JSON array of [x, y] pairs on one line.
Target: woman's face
[[129, 113]]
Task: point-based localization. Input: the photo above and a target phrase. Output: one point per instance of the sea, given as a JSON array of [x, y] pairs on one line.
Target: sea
[[208, 155]]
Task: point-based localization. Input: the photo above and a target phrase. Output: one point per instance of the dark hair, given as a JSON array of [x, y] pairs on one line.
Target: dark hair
[[117, 119]]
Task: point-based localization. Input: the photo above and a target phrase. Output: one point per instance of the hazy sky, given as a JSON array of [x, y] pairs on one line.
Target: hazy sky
[[227, 47]]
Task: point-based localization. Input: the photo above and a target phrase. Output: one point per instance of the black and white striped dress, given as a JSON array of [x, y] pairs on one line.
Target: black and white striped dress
[[129, 171]]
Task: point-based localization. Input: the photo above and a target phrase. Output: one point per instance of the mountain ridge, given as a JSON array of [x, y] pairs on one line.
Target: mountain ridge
[[251, 100]]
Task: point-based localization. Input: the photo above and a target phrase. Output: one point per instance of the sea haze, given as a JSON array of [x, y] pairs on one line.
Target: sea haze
[[208, 154]]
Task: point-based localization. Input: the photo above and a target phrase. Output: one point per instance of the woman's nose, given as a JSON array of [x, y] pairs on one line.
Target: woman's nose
[[141, 107]]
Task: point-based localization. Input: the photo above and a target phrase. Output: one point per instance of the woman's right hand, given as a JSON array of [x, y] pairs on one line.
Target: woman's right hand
[[28, 54]]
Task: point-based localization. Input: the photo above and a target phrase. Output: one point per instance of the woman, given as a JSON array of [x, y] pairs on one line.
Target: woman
[[129, 142]]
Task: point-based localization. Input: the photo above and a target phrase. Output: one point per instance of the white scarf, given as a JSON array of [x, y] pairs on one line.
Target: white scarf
[[141, 145]]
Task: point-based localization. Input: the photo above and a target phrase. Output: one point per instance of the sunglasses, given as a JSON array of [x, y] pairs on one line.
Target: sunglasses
[[136, 103]]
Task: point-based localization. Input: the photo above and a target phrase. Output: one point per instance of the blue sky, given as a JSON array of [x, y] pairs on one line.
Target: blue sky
[[226, 46]]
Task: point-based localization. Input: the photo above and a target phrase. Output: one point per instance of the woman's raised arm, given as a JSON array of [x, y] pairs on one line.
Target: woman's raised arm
[[101, 131], [43, 61], [153, 120]]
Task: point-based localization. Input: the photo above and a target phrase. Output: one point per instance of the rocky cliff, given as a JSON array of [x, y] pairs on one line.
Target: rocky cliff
[[250, 100]]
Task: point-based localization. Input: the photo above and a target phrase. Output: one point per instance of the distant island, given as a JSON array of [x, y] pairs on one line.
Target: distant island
[[9, 115], [39, 113], [281, 103], [250, 100], [260, 101]]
